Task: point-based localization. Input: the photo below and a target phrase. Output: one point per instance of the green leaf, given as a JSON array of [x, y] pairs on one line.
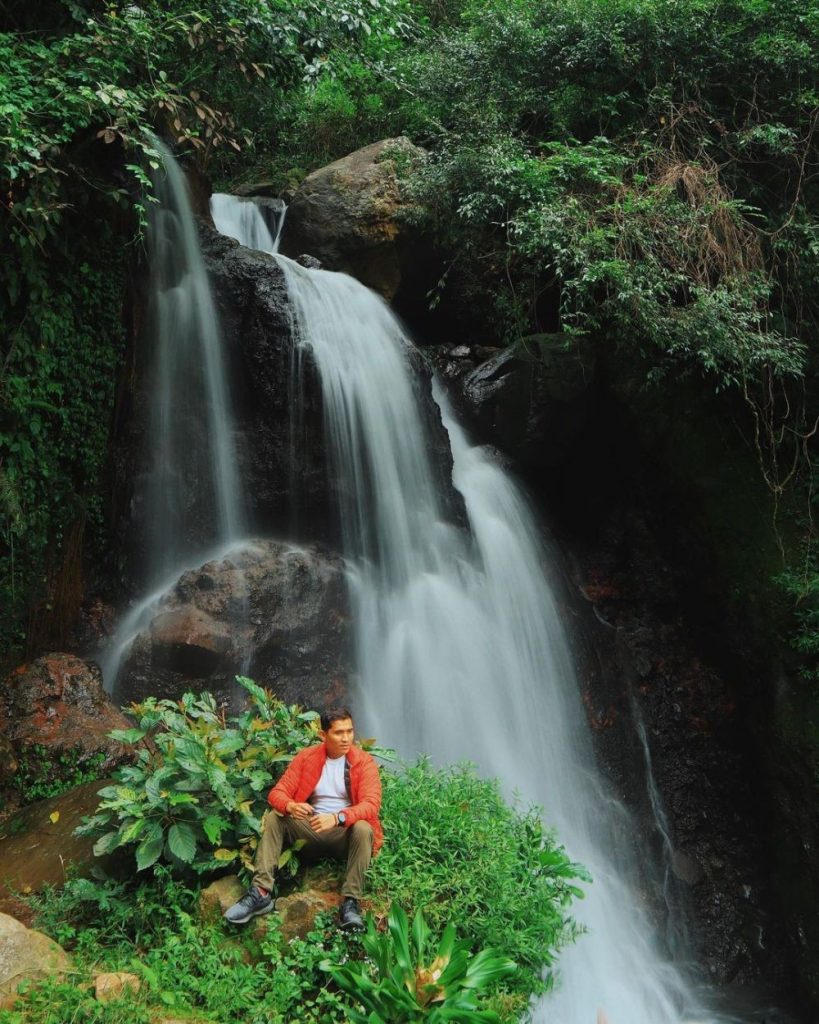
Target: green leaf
[[129, 831], [148, 851], [105, 844], [128, 736], [182, 841], [420, 933], [214, 826]]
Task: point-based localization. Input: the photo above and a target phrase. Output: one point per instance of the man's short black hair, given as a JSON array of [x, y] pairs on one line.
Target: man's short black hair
[[334, 714]]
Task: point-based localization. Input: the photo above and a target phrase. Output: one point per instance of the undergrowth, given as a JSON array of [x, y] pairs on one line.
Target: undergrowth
[[455, 850]]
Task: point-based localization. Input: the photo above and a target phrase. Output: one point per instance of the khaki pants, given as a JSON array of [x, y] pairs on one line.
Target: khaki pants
[[353, 845]]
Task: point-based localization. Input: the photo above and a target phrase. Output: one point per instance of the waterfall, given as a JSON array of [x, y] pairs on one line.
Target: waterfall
[[193, 468], [193, 506], [461, 652], [243, 220]]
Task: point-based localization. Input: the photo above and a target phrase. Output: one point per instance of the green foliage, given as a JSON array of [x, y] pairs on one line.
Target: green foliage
[[582, 172], [187, 966], [41, 774], [62, 351], [406, 980], [487, 869], [456, 849], [198, 790]]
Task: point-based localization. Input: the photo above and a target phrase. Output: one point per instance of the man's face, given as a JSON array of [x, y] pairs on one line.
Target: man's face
[[339, 737]]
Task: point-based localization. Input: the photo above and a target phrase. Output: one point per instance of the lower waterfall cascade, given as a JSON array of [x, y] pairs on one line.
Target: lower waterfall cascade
[[460, 650]]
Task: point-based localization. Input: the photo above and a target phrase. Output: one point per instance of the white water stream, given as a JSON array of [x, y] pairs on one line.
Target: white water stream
[[461, 651], [193, 495], [243, 220]]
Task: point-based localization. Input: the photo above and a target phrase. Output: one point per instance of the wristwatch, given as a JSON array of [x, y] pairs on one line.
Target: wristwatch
[[341, 818]]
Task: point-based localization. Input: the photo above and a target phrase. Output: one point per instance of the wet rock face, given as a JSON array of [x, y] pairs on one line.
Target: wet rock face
[[271, 611], [349, 216], [531, 401], [283, 464], [58, 701], [652, 697]]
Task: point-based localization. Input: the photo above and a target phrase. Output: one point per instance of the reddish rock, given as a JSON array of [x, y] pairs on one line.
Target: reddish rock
[[58, 701]]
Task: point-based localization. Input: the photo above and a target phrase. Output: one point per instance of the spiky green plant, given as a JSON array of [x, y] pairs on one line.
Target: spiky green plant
[[405, 980]]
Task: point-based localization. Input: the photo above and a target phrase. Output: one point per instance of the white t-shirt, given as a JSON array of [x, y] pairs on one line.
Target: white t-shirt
[[330, 794]]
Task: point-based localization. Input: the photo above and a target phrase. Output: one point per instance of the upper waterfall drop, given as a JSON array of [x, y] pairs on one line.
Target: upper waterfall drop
[[193, 474], [460, 649], [243, 220]]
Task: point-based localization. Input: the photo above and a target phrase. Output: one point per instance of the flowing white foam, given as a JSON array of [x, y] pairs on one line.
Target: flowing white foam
[[461, 651], [243, 220], [193, 496]]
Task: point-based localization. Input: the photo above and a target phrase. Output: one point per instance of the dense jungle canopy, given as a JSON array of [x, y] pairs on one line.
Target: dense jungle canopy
[[641, 172]]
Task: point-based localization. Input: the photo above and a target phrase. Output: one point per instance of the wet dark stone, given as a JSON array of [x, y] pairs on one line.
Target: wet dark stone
[[646, 675], [274, 612], [530, 400]]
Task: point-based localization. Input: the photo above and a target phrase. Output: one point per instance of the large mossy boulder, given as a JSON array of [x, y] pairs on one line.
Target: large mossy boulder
[[270, 610], [351, 215]]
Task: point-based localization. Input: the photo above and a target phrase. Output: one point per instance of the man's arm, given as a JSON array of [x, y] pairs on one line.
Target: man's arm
[[281, 796], [369, 794]]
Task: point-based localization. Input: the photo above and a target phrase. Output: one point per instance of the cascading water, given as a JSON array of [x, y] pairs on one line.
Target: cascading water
[[243, 220], [193, 497], [461, 653]]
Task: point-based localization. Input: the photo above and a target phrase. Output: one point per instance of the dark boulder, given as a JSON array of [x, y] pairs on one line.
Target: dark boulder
[[275, 612], [281, 450], [531, 400]]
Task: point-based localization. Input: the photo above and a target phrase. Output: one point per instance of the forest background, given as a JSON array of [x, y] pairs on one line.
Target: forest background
[[641, 172], [638, 175]]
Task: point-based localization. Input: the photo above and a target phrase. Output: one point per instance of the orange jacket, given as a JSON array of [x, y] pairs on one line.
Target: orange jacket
[[302, 776]]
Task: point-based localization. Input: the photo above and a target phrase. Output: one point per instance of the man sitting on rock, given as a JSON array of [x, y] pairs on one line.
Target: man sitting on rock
[[330, 797]]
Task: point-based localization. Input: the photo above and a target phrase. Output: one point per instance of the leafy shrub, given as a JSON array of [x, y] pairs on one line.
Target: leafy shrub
[[457, 850], [198, 790], [405, 980]]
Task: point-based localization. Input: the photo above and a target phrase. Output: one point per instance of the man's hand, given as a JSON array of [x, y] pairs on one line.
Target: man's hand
[[299, 810], [323, 822]]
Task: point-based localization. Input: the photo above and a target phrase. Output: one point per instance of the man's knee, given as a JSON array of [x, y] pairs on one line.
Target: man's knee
[[273, 822], [362, 832]]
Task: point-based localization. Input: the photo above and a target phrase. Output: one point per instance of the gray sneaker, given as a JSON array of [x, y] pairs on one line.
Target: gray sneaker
[[350, 919], [252, 904]]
